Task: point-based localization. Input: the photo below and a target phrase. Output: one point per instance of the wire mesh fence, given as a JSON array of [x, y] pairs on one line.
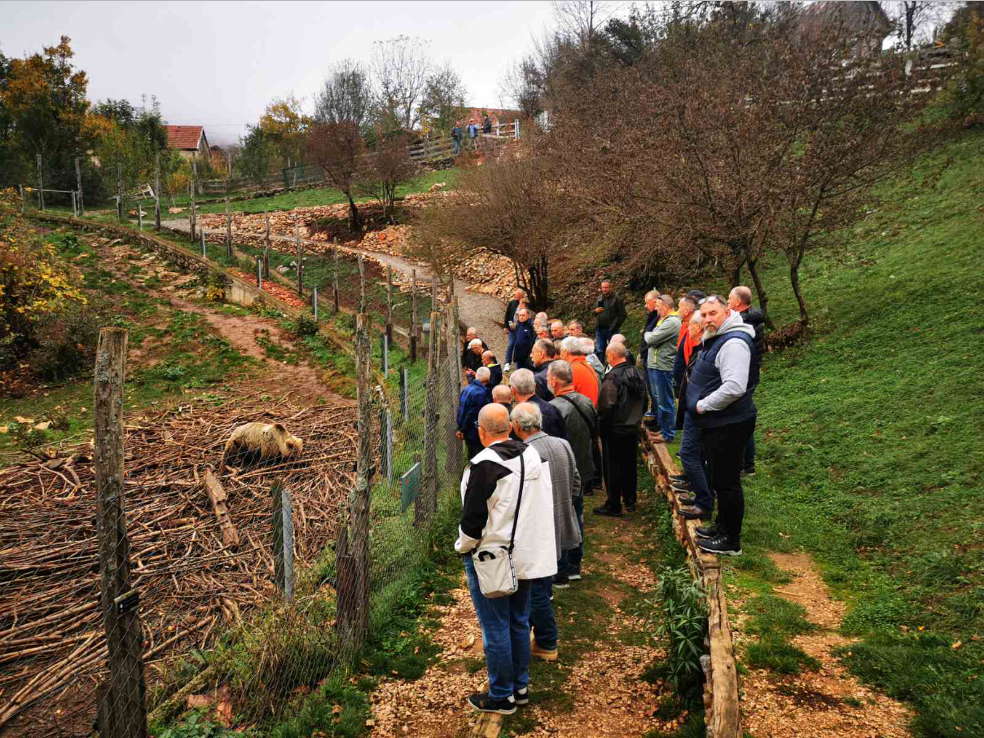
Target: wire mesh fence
[[233, 555]]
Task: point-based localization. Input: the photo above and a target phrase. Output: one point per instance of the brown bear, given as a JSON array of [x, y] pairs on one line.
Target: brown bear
[[261, 441]]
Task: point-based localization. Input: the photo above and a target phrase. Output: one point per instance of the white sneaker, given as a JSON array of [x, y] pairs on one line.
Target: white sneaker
[[505, 368]]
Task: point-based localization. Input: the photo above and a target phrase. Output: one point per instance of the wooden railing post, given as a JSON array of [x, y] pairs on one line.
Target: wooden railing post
[[413, 316], [122, 713]]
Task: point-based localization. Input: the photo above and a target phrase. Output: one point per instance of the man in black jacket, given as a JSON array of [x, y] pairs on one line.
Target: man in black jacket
[[620, 408], [740, 300], [509, 324], [610, 314], [523, 390], [471, 354], [544, 353]]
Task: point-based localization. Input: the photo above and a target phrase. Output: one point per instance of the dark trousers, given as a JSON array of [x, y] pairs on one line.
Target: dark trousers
[[724, 449], [619, 458], [542, 621], [749, 463], [474, 447], [570, 561], [692, 458], [597, 462]]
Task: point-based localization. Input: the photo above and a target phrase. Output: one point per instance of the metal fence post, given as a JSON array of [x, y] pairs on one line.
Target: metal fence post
[[334, 282], [204, 252], [193, 215], [157, 192], [300, 269], [229, 254], [266, 245], [139, 217], [389, 304], [122, 712], [40, 184], [413, 316], [78, 183], [259, 275], [23, 201], [75, 212], [314, 301], [404, 394], [283, 540]]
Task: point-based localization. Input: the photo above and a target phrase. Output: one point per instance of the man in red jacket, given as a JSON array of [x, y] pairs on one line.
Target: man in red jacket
[[585, 378]]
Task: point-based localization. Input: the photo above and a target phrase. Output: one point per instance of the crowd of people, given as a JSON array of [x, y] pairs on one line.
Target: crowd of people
[[564, 413]]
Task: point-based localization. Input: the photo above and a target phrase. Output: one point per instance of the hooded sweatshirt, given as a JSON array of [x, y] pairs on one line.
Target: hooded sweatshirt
[[735, 362], [489, 493]]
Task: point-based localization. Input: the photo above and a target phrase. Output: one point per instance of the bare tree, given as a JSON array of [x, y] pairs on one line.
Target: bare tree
[[915, 19], [386, 166], [343, 111], [400, 69], [761, 147], [443, 101], [582, 20]]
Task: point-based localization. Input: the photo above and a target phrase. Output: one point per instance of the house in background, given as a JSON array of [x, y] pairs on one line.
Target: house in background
[[189, 141]]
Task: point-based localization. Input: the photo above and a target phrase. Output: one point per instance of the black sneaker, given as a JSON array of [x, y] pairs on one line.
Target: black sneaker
[[589, 492], [678, 477], [522, 696], [749, 472], [687, 500], [708, 531], [575, 575], [720, 545], [561, 581], [630, 508], [484, 703], [603, 510], [681, 487]]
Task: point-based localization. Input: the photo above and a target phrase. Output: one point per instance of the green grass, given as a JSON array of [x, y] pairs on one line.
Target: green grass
[[869, 452], [329, 195]]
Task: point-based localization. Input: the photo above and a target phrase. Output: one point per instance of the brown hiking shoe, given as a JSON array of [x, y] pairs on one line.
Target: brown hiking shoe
[[542, 653], [657, 438]]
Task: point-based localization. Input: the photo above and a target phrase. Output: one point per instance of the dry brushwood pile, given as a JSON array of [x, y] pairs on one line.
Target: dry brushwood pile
[[191, 584], [484, 272]]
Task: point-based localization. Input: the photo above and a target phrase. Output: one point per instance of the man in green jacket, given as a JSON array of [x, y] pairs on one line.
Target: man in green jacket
[[662, 342], [610, 314]]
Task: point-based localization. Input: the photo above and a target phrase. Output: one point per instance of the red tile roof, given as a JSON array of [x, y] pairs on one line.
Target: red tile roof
[[183, 137]]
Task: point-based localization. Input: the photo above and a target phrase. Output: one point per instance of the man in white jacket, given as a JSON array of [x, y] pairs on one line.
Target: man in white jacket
[[490, 495]]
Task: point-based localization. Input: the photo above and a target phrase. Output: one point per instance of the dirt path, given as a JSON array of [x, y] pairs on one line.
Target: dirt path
[[828, 702], [476, 309], [244, 333], [596, 688]]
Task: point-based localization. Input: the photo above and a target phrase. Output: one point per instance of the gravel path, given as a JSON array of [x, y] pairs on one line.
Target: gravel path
[[484, 312]]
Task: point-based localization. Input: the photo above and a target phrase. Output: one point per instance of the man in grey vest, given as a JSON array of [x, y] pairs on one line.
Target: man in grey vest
[[719, 399]]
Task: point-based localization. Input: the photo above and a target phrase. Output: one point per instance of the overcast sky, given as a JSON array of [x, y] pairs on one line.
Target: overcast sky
[[219, 63]]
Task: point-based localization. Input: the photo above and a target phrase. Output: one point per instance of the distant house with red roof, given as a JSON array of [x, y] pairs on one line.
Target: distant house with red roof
[[189, 141]]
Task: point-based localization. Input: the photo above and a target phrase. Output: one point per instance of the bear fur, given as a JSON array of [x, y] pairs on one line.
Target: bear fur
[[261, 441]]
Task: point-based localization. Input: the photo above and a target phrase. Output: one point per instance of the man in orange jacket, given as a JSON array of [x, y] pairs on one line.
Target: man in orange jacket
[[585, 378]]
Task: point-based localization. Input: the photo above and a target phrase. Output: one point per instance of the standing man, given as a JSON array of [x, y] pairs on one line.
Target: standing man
[[471, 358], [575, 328], [565, 483], [720, 398], [472, 130], [740, 301], [652, 317], [581, 424], [495, 369], [700, 502], [585, 378], [525, 338], [620, 409], [523, 386], [507, 501], [544, 352], [456, 137], [610, 314], [502, 395], [662, 351], [510, 324], [473, 398], [591, 359], [487, 124], [557, 330]]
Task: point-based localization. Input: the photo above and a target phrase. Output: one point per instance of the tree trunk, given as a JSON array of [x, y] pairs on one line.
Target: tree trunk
[[539, 282], [355, 222], [760, 289], [795, 281]]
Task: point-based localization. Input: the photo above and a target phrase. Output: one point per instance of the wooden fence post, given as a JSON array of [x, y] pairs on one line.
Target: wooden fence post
[[23, 201], [429, 486], [283, 540], [266, 245], [334, 283], [413, 316], [314, 302], [229, 254], [157, 192], [362, 285], [40, 184], [300, 268], [122, 713], [389, 303], [139, 217], [194, 186], [259, 275], [78, 184], [404, 394], [204, 251], [75, 211]]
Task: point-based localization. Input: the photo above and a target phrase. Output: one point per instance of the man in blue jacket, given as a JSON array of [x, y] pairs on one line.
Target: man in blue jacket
[[525, 338], [473, 398]]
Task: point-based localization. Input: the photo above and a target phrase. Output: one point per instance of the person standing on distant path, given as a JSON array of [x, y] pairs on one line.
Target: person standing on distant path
[[473, 398], [495, 369], [565, 483], [662, 350], [740, 300], [719, 397], [610, 314], [544, 352], [581, 424], [456, 137], [507, 500], [524, 339], [487, 124], [510, 324], [620, 409], [472, 130], [523, 388]]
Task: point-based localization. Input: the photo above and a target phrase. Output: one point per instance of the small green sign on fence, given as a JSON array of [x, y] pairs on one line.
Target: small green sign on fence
[[409, 486]]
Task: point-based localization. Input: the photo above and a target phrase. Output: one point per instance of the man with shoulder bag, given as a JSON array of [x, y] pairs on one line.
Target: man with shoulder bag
[[507, 538]]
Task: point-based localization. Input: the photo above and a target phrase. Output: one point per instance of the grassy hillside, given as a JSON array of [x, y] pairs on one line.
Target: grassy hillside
[[869, 440]]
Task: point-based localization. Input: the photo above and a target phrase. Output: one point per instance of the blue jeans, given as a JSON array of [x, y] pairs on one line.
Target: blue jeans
[[542, 621], [602, 337], [662, 381], [505, 625], [692, 458], [570, 561], [457, 146], [509, 346]]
